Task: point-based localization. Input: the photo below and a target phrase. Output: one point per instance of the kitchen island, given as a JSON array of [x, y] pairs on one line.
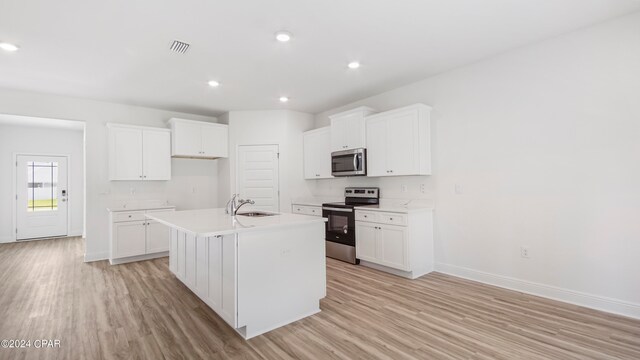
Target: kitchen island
[[256, 272]]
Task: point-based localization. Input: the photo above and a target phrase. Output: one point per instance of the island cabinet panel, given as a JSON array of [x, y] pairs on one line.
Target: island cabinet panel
[[181, 256], [269, 263], [190, 260], [214, 295], [256, 275], [229, 259], [202, 267], [173, 252]]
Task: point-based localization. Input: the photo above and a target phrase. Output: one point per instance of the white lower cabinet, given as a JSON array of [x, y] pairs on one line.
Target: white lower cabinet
[[157, 237], [394, 246], [367, 238], [396, 241], [133, 237], [306, 210], [127, 239]]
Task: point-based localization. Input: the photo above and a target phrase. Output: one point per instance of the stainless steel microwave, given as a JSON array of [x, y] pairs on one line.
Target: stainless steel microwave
[[349, 162]]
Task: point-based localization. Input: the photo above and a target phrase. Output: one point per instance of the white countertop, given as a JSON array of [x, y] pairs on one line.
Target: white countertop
[[212, 222], [400, 206], [138, 207]]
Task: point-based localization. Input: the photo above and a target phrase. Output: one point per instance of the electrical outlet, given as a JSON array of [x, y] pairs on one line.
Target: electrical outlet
[[404, 188], [458, 189], [524, 252], [423, 188]]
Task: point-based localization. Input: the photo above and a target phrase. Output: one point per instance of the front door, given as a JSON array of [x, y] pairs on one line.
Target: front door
[[42, 196]]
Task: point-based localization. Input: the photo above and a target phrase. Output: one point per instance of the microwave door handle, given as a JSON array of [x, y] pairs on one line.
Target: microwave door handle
[[355, 162]]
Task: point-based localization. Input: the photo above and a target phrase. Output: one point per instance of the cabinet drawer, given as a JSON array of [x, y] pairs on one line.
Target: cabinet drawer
[[129, 216], [392, 219], [307, 210], [369, 216]]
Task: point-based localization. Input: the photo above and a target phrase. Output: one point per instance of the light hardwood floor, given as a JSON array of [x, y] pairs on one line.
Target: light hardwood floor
[[141, 311]]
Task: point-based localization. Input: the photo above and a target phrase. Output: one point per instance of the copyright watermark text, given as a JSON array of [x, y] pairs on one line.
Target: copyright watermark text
[[29, 343]]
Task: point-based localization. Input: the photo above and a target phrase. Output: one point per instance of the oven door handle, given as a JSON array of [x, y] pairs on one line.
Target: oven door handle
[[337, 209]]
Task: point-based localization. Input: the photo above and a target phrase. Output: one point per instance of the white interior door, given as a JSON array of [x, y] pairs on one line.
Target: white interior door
[[257, 176], [42, 194]]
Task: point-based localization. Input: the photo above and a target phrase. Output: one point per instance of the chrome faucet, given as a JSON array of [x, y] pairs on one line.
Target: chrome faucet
[[233, 206]]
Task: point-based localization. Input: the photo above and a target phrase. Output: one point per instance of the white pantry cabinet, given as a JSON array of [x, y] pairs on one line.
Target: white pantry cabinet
[[400, 243], [317, 153], [133, 237], [399, 142], [139, 153], [199, 139], [348, 129]]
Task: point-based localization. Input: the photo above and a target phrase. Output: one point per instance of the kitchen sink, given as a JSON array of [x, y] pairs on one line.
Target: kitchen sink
[[256, 214]]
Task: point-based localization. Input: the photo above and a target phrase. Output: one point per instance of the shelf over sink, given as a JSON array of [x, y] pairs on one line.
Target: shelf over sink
[[256, 214]]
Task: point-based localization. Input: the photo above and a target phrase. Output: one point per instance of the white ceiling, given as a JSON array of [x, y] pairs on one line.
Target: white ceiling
[[117, 50]]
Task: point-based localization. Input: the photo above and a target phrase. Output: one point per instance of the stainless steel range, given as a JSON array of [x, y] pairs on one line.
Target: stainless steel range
[[340, 229]]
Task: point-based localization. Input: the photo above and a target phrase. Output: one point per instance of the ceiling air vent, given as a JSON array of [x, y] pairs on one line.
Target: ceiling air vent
[[179, 47]]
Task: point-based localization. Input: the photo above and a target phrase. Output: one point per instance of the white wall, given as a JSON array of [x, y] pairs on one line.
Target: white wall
[[544, 142], [38, 140], [280, 127], [100, 192]]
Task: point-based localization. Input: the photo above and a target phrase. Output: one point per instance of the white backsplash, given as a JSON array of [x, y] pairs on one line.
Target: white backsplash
[[390, 187]]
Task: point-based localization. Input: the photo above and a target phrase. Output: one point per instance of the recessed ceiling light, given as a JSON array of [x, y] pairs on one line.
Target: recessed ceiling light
[[353, 65], [213, 83], [284, 99], [283, 36], [9, 47]]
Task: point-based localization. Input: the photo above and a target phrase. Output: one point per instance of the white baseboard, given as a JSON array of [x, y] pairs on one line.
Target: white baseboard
[[596, 302], [96, 256], [75, 233], [404, 274], [7, 239], [138, 258]]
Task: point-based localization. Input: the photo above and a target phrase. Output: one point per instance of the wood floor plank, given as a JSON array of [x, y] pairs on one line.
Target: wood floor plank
[[141, 311]]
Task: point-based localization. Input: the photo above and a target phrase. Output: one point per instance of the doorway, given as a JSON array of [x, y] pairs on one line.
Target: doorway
[[258, 176], [41, 196]]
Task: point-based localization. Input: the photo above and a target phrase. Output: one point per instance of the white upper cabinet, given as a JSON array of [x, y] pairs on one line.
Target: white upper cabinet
[[317, 153], [398, 142], [139, 153], [198, 139], [348, 129], [156, 155]]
